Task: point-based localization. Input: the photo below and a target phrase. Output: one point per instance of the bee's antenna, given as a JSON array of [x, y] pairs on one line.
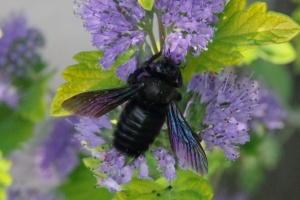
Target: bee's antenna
[[154, 57]]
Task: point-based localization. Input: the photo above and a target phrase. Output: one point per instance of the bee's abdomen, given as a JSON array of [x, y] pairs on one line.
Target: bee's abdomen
[[137, 128]]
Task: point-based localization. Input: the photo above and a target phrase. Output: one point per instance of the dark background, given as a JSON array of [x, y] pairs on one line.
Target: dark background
[[283, 183]]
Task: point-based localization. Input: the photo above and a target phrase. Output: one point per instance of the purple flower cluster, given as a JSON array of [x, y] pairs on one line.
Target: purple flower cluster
[[270, 111], [113, 168], [88, 130], [230, 102], [117, 25], [113, 26], [117, 172], [19, 47], [166, 162], [57, 155], [126, 69], [192, 21]]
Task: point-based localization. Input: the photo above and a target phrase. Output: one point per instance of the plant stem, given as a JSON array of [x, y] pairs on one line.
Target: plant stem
[[162, 32], [153, 42]]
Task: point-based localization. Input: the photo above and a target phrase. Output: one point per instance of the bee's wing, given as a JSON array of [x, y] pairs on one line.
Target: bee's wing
[[99, 102], [184, 142]]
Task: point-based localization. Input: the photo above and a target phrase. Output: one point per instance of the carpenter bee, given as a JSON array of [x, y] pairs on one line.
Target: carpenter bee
[[151, 98]]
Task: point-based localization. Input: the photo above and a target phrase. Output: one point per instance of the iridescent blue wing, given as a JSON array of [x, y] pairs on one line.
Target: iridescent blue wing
[[184, 142], [99, 102]]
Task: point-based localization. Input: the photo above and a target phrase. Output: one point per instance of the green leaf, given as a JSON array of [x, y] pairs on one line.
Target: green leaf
[[85, 76], [187, 185], [14, 129], [80, 185], [33, 103], [277, 53], [140, 189], [93, 165], [254, 26], [146, 4], [240, 29]]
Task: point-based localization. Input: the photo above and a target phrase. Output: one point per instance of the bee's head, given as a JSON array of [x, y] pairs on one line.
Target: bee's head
[[168, 71]]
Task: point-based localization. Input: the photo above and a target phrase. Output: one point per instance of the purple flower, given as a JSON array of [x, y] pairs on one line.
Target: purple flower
[[19, 47], [117, 25], [117, 173], [8, 93], [166, 162], [113, 26], [126, 69], [89, 133], [58, 153], [113, 169], [204, 84], [177, 46], [109, 183], [141, 163], [270, 111], [192, 20], [88, 130], [230, 102]]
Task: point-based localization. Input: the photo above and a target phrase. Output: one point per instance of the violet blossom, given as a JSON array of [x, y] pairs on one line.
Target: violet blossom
[[117, 25], [191, 22], [58, 153], [19, 47], [230, 103], [113, 26], [115, 171], [270, 111]]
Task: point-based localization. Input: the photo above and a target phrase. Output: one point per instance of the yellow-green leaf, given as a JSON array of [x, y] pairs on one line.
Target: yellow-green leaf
[[5, 178], [187, 185], [87, 75], [146, 4], [277, 53], [240, 29]]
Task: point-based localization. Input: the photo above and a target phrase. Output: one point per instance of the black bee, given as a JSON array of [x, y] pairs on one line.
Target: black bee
[[151, 97]]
